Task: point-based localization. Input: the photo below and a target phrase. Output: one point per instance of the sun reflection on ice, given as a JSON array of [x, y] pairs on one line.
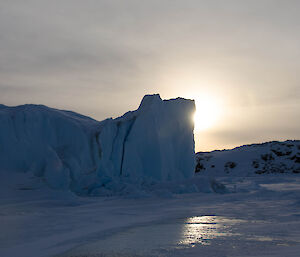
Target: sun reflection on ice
[[158, 239], [201, 229]]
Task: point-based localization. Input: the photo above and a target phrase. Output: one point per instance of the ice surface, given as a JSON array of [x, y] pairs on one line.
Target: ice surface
[[70, 151], [47, 223]]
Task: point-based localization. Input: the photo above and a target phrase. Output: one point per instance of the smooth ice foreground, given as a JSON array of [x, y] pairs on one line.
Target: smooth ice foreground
[[70, 151], [264, 222], [160, 239]]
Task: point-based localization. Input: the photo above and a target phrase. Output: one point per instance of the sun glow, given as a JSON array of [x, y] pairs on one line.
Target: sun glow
[[210, 103], [207, 113]]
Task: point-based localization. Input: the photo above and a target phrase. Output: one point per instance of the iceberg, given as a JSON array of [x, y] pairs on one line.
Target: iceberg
[[73, 152]]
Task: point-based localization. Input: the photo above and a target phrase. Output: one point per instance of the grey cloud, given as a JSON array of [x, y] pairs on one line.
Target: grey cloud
[[60, 52]]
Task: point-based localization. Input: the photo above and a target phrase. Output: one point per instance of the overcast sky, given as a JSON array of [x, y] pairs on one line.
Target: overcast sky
[[100, 57]]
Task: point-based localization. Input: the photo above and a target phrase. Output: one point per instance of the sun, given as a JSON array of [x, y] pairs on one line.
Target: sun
[[207, 113]]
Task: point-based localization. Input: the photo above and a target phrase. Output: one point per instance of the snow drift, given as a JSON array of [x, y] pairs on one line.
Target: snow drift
[[71, 151]]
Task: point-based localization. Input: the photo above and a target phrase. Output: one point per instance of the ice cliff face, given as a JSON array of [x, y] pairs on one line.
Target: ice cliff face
[[71, 151], [267, 158]]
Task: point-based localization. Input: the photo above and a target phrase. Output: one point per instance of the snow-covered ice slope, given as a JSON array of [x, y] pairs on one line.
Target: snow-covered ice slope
[[70, 151], [270, 157]]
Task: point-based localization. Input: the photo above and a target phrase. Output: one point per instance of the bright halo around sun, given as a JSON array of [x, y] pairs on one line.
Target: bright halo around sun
[[208, 110]]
